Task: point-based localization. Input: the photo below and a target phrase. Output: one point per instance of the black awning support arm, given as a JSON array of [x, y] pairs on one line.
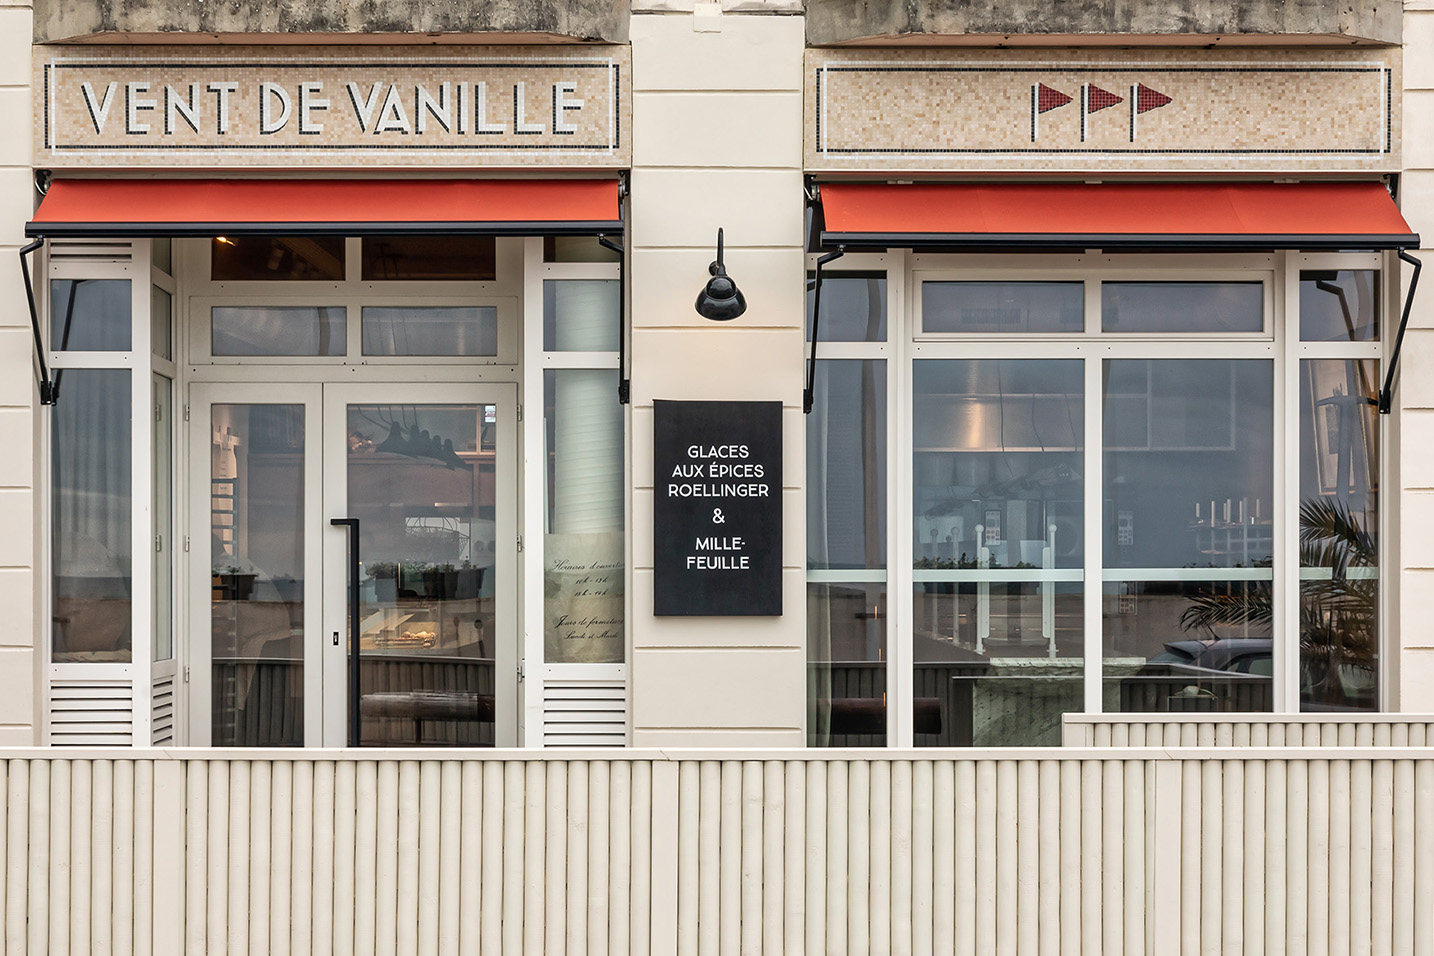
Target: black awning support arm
[[809, 394], [624, 383], [47, 386], [1386, 394]]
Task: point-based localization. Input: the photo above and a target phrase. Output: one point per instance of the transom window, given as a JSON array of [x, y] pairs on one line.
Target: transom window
[[1120, 484]]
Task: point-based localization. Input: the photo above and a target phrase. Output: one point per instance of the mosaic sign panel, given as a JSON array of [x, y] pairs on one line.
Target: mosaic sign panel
[[232, 106], [1102, 110]]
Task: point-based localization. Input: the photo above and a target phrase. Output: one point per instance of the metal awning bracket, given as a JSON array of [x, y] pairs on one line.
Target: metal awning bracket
[[48, 390], [1386, 394], [624, 383], [809, 394]]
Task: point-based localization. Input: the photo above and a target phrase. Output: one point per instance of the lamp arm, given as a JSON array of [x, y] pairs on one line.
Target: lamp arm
[[624, 384], [809, 394], [1386, 394]]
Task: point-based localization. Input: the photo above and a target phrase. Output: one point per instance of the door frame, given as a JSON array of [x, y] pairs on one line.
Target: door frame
[[326, 548], [335, 613], [199, 654]]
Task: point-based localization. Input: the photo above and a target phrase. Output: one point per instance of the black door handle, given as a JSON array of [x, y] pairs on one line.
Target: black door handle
[[354, 613]]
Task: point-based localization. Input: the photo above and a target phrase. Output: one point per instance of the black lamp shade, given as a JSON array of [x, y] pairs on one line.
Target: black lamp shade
[[720, 300]]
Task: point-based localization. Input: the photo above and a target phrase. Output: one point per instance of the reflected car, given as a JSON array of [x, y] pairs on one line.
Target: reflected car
[[1220, 674]]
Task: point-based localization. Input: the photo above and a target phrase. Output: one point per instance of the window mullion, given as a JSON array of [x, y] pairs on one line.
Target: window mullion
[[1285, 606], [1094, 536], [901, 682]]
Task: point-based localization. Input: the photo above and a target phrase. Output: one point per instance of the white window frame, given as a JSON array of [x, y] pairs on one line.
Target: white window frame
[[1278, 342]]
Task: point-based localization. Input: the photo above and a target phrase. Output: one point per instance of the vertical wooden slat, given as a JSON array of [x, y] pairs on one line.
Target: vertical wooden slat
[[469, 919], [620, 860], [1050, 808], [1318, 828], [490, 860], [365, 899], [1026, 872], [1414, 822], [237, 878], [815, 866], [1191, 804], [1212, 856], [386, 857], [1092, 932], [1297, 824], [299, 931], [750, 858], [1276, 857], [987, 799], [101, 893], [599, 808], [282, 836], [880, 846], [1134, 872], [644, 826], [1112, 857], [922, 838], [859, 826], [216, 918], [794, 870], [511, 841], [555, 892], [1068, 930], [943, 857], [1361, 811], [428, 826], [132, 859], [17, 856], [71, 865], [1340, 857], [159, 854], [729, 907], [709, 858], [321, 866], [1232, 856], [1385, 853], [39, 875], [895, 936], [260, 854], [534, 854], [965, 857], [443, 847], [689, 859], [345, 856], [838, 862], [1253, 899]]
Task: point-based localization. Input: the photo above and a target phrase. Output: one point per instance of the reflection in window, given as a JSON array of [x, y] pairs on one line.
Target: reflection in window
[[1339, 535], [430, 330], [1339, 306], [846, 538], [278, 330], [580, 315], [853, 306], [1182, 306], [998, 542], [585, 536], [90, 315], [441, 258], [1002, 307], [256, 547], [90, 489], [269, 258], [161, 323], [1189, 466]]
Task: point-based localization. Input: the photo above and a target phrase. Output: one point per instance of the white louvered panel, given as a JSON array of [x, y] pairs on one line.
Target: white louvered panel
[[584, 713], [90, 250], [91, 713], [162, 710]]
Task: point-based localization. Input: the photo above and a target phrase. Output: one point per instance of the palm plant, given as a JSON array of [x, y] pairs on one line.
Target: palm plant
[[1337, 614]]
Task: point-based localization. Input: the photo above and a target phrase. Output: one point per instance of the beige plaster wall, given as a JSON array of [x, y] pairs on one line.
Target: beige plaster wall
[[1412, 626], [717, 117], [19, 664]]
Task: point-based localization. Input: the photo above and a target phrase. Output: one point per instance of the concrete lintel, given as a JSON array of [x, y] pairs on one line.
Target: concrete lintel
[[1082, 22], [315, 21]]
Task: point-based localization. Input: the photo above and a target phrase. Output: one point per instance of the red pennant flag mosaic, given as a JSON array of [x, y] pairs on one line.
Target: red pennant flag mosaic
[[1048, 99], [1098, 99], [1147, 99]]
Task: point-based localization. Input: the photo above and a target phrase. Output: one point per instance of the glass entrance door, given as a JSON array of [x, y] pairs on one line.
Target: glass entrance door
[[429, 472]]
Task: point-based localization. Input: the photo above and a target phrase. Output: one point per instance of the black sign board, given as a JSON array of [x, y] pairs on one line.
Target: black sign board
[[717, 518]]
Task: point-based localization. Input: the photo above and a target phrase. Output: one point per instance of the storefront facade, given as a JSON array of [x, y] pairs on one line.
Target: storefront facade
[[442, 283]]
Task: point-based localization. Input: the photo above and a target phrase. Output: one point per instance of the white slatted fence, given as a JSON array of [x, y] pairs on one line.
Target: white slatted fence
[[1028, 853]]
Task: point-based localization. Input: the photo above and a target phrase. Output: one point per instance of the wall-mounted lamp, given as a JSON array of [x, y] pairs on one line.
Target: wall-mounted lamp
[[720, 300]]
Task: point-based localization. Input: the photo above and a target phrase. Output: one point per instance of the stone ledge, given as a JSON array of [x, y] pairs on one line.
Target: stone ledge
[[316, 21], [1080, 22]]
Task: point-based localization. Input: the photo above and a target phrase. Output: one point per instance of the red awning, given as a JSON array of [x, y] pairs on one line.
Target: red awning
[[1317, 215], [123, 208]]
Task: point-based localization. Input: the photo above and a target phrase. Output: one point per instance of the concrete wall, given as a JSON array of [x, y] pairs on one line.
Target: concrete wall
[[342, 20], [1026, 21], [717, 112], [1411, 630], [19, 666]]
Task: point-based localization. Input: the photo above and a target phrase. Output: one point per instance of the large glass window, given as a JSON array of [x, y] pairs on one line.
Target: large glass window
[[93, 555], [998, 548], [1125, 485]]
